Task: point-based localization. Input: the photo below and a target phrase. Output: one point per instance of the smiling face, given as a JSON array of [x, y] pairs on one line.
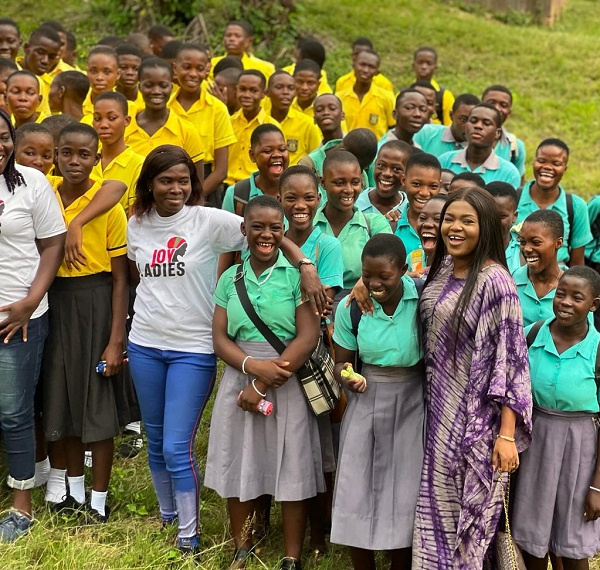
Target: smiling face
[[191, 69], [23, 96], [103, 72], [281, 91], [264, 229], [429, 95], [573, 301], [328, 113], [428, 225], [549, 166], [109, 121], [366, 66], [37, 151], [77, 154], [460, 230], [502, 101], [382, 277], [156, 87], [482, 130], [538, 246], [171, 189], [343, 182], [250, 92], [300, 200], [411, 112], [389, 168], [421, 183], [128, 70], [9, 41], [307, 85], [271, 156], [7, 145]]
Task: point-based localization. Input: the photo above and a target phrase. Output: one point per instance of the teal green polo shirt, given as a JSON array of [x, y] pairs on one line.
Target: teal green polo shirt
[[326, 253], [274, 299], [564, 381], [493, 169], [577, 236], [383, 340], [506, 145], [410, 238], [353, 237], [364, 204], [592, 249], [437, 140], [513, 254], [534, 309]]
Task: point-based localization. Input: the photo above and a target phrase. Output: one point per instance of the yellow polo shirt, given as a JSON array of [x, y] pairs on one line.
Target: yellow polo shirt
[[39, 119], [175, 131], [211, 119], [60, 67], [374, 112], [103, 238], [240, 166], [126, 168], [88, 107], [249, 61], [348, 80], [301, 135], [324, 86]]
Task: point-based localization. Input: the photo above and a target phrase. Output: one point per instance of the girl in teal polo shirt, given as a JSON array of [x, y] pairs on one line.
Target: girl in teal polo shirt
[[251, 455], [557, 501], [340, 218], [540, 238], [381, 444]]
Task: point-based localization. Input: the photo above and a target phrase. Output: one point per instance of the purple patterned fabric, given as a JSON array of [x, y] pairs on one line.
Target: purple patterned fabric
[[469, 378]]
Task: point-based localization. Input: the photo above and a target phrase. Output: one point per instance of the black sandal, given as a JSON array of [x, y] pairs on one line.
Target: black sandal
[[240, 559], [289, 563]]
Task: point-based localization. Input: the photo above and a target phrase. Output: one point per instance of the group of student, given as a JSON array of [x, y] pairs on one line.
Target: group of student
[[401, 223]]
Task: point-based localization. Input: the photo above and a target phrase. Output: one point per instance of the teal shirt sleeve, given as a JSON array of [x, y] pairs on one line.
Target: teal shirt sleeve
[[520, 158], [342, 331], [379, 224], [592, 250], [446, 159], [580, 234], [228, 200], [330, 264], [514, 178], [223, 289]]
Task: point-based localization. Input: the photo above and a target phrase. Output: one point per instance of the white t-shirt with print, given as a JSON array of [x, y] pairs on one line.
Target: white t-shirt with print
[[177, 257], [31, 213]]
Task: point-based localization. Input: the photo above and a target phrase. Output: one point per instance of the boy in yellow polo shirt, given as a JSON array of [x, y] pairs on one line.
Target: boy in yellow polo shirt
[[425, 65], [307, 75], [301, 133], [191, 101], [250, 92], [346, 81], [61, 65], [68, 92], [129, 58], [117, 160], [238, 42], [23, 98], [40, 54], [309, 48], [366, 105]]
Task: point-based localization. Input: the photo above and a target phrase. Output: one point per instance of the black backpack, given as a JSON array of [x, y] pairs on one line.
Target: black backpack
[[439, 104], [241, 196]]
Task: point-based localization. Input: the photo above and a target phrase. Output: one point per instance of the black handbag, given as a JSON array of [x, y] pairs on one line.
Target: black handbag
[[316, 377]]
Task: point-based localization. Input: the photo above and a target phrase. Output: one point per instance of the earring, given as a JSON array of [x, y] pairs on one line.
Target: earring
[[149, 189]]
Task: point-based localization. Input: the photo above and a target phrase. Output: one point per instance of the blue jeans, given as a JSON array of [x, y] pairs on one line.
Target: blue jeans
[[20, 364], [173, 389]]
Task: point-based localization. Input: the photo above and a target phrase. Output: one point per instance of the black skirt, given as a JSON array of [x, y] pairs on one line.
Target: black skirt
[[79, 402]]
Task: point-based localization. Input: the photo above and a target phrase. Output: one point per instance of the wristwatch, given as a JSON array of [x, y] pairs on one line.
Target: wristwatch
[[305, 261]]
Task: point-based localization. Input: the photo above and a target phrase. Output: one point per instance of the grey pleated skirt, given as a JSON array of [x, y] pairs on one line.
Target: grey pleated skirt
[[380, 460], [249, 454], [78, 401], [552, 483]]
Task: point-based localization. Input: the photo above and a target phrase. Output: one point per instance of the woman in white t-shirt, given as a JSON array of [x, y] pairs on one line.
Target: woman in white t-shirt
[[174, 244], [32, 233]]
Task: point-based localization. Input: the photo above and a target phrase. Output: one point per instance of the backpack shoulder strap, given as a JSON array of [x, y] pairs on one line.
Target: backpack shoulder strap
[[570, 214], [533, 332], [439, 104], [597, 368], [241, 196], [514, 147], [368, 223], [355, 316]]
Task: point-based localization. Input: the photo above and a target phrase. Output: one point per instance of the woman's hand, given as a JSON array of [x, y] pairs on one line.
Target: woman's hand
[[393, 215], [313, 289], [19, 314], [355, 382], [249, 399], [363, 299], [113, 356], [505, 456], [271, 372], [592, 506], [74, 257]]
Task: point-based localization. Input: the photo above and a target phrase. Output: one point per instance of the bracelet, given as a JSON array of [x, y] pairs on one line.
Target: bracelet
[[595, 489], [244, 364], [506, 438], [257, 390]]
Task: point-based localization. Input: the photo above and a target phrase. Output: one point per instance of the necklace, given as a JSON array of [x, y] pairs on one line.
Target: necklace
[[261, 283]]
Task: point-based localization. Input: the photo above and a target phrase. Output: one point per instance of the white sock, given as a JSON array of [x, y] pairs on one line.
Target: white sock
[[77, 488], [134, 426], [42, 472], [98, 501], [56, 489]]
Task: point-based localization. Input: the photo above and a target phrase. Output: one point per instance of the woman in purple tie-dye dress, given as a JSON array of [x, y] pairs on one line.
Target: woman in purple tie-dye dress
[[477, 387]]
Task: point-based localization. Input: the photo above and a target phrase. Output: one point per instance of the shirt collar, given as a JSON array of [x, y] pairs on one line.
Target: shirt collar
[[491, 162], [448, 137], [250, 275], [559, 206], [585, 348]]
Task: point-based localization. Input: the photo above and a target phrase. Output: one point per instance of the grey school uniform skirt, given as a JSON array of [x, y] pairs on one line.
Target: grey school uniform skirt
[[249, 454], [380, 460], [552, 484], [78, 401]]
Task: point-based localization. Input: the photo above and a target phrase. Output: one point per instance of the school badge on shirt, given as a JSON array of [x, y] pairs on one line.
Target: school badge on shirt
[[373, 119], [292, 145]]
